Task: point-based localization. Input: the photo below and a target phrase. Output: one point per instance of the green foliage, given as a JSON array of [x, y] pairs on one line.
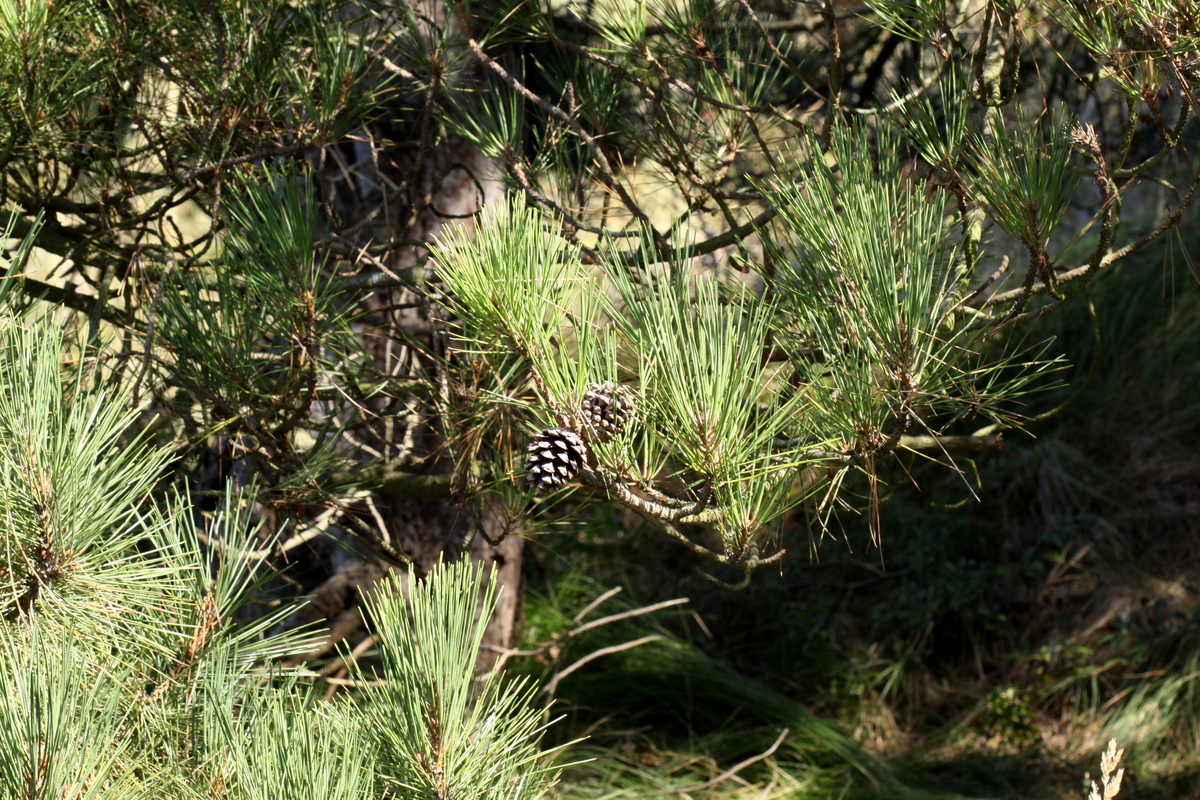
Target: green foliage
[[914, 19], [255, 332], [516, 288], [263, 256], [294, 324], [34, 38], [489, 119], [871, 284], [709, 400], [287, 744], [1025, 178], [70, 486], [938, 133], [440, 732], [61, 736], [130, 669]]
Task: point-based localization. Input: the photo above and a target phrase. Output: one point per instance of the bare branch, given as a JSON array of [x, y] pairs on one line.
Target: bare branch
[[729, 773], [952, 444], [637, 612], [549, 688], [590, 607]]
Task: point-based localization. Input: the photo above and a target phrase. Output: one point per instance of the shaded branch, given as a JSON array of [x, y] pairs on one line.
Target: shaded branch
[[693, 513], [70, 299], [390, 478], [727, 239], [952, 444], [606, 170]]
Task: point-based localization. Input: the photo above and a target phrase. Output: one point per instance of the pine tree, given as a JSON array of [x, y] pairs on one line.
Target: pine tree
[[312, 277], [129, 668]]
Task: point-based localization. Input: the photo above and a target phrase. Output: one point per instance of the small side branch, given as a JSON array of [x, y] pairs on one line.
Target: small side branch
[[550, 687], [967, 445], [390, 478], [729, 773], [558, 646], [694, 513], [1090, 268]]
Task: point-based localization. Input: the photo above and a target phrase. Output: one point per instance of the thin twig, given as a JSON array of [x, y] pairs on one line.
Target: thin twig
[[353, 683], [729, 773], [687, 512], [606, 170], [637, 612], [333, 671], [150, 316], [549, 688], [590, 607]]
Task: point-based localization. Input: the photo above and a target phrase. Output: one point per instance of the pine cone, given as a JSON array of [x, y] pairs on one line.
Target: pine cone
[[555, 456], [606, 408]]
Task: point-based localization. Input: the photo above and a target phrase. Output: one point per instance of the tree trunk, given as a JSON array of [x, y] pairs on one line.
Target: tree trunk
[[453, 182]]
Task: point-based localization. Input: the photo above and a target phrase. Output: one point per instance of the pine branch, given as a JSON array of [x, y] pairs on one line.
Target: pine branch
[[729, 238], [392, 478], [1087, 270], [688, 513], [70, 299], [965, 445]]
